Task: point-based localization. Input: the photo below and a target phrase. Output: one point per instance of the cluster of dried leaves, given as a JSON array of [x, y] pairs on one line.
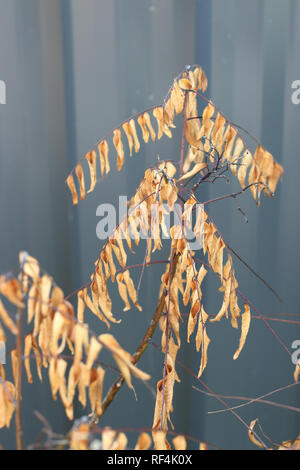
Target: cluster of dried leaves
[[285, 445], [211, 138], [81, 439], [55, 326], [209, 133], [214, 146]]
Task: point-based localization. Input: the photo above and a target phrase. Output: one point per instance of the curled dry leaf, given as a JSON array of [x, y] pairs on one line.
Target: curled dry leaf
[[10, 288], [195, 79], [123, 359], [7, 403], [7, 320], [144, 442], [251, 434], [80, 437], [179, 443], [246, 319]]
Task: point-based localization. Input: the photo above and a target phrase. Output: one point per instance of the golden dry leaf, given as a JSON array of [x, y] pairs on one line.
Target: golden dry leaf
[[30, 265], [80, 437], [128, 131], [244, 165], [162, 127], [58, 329], [2, 335], [134, 135], [7, 403], [213, 135], [104, 161], [72, 187], [93, 307], [91, 158], [202, 340], [99, 287], [251, 434], [131, 289], [80, 306], [121, 442], [7, 320], [113, 441], [164, 397], [46, 284], [149, 125], [246, 319], [239, 146], [15, 365], [297, 372], [94, 349], [142, 123], [57, 370], [179, 443], [196, 169], [81, 342], [80, 176], [57, 296], [27, 350], [38, 358], [185, 84], [123, 292], [123, 359], [274, 177], [95, 389], [117, 141], [290, 445], [144, 442], [33, 304], [10, 288]]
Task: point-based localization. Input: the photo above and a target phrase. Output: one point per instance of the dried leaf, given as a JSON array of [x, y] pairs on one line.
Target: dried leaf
[[251, 434], [144, 442], [72, 187], [104, 161], [246, 319], [179, 443], [117, 140], [7, 320], [80, 176]]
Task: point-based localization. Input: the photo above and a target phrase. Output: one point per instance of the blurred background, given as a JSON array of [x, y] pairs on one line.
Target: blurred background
[[73, 71]]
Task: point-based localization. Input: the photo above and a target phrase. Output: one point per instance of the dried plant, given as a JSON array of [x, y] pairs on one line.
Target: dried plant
[[212, 148]]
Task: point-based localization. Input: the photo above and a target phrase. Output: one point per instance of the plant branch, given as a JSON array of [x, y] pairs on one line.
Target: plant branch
[[143, 345]]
